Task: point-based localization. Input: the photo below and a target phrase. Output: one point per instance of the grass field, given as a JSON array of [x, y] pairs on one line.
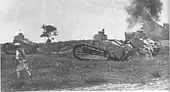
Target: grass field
[[50, 73]]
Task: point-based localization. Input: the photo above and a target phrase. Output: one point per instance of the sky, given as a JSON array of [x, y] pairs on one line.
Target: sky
[[74, 19]]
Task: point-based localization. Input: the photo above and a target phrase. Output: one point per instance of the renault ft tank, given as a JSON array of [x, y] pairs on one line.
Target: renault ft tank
[[109, 50], [102, 49], [105, 49], [29, 46], [147, 41]]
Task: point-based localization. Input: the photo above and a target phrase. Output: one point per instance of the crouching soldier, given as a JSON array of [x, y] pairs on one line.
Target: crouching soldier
[[21, 61]]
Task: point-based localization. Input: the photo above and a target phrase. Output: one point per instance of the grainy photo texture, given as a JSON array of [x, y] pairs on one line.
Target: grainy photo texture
[[84, 45]]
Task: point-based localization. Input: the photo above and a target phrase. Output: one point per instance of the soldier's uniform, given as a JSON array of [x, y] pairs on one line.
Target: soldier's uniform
[[21, 61]]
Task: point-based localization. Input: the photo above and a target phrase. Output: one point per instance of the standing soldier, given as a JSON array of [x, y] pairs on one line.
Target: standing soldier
[[21, 61]]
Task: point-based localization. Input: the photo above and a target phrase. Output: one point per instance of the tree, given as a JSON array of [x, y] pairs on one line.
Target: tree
[[49, 31], [140, 11]]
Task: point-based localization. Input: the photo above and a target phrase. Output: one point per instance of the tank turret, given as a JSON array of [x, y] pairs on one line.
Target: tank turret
[[21, 38], [29, 46], [100, 36]]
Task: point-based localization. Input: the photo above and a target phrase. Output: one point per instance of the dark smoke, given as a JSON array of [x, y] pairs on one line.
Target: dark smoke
[[137, 9]]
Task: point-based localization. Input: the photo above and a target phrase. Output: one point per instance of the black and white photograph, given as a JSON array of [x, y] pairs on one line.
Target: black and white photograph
[[84, 45]]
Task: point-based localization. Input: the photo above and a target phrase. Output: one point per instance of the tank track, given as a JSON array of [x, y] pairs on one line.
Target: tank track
[[86, 52]]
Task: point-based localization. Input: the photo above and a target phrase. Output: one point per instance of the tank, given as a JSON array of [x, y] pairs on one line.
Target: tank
[[29, 46], [112, 49]]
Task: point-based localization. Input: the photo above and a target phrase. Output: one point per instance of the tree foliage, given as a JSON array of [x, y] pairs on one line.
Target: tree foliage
[[49, 31], [142, 10]]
